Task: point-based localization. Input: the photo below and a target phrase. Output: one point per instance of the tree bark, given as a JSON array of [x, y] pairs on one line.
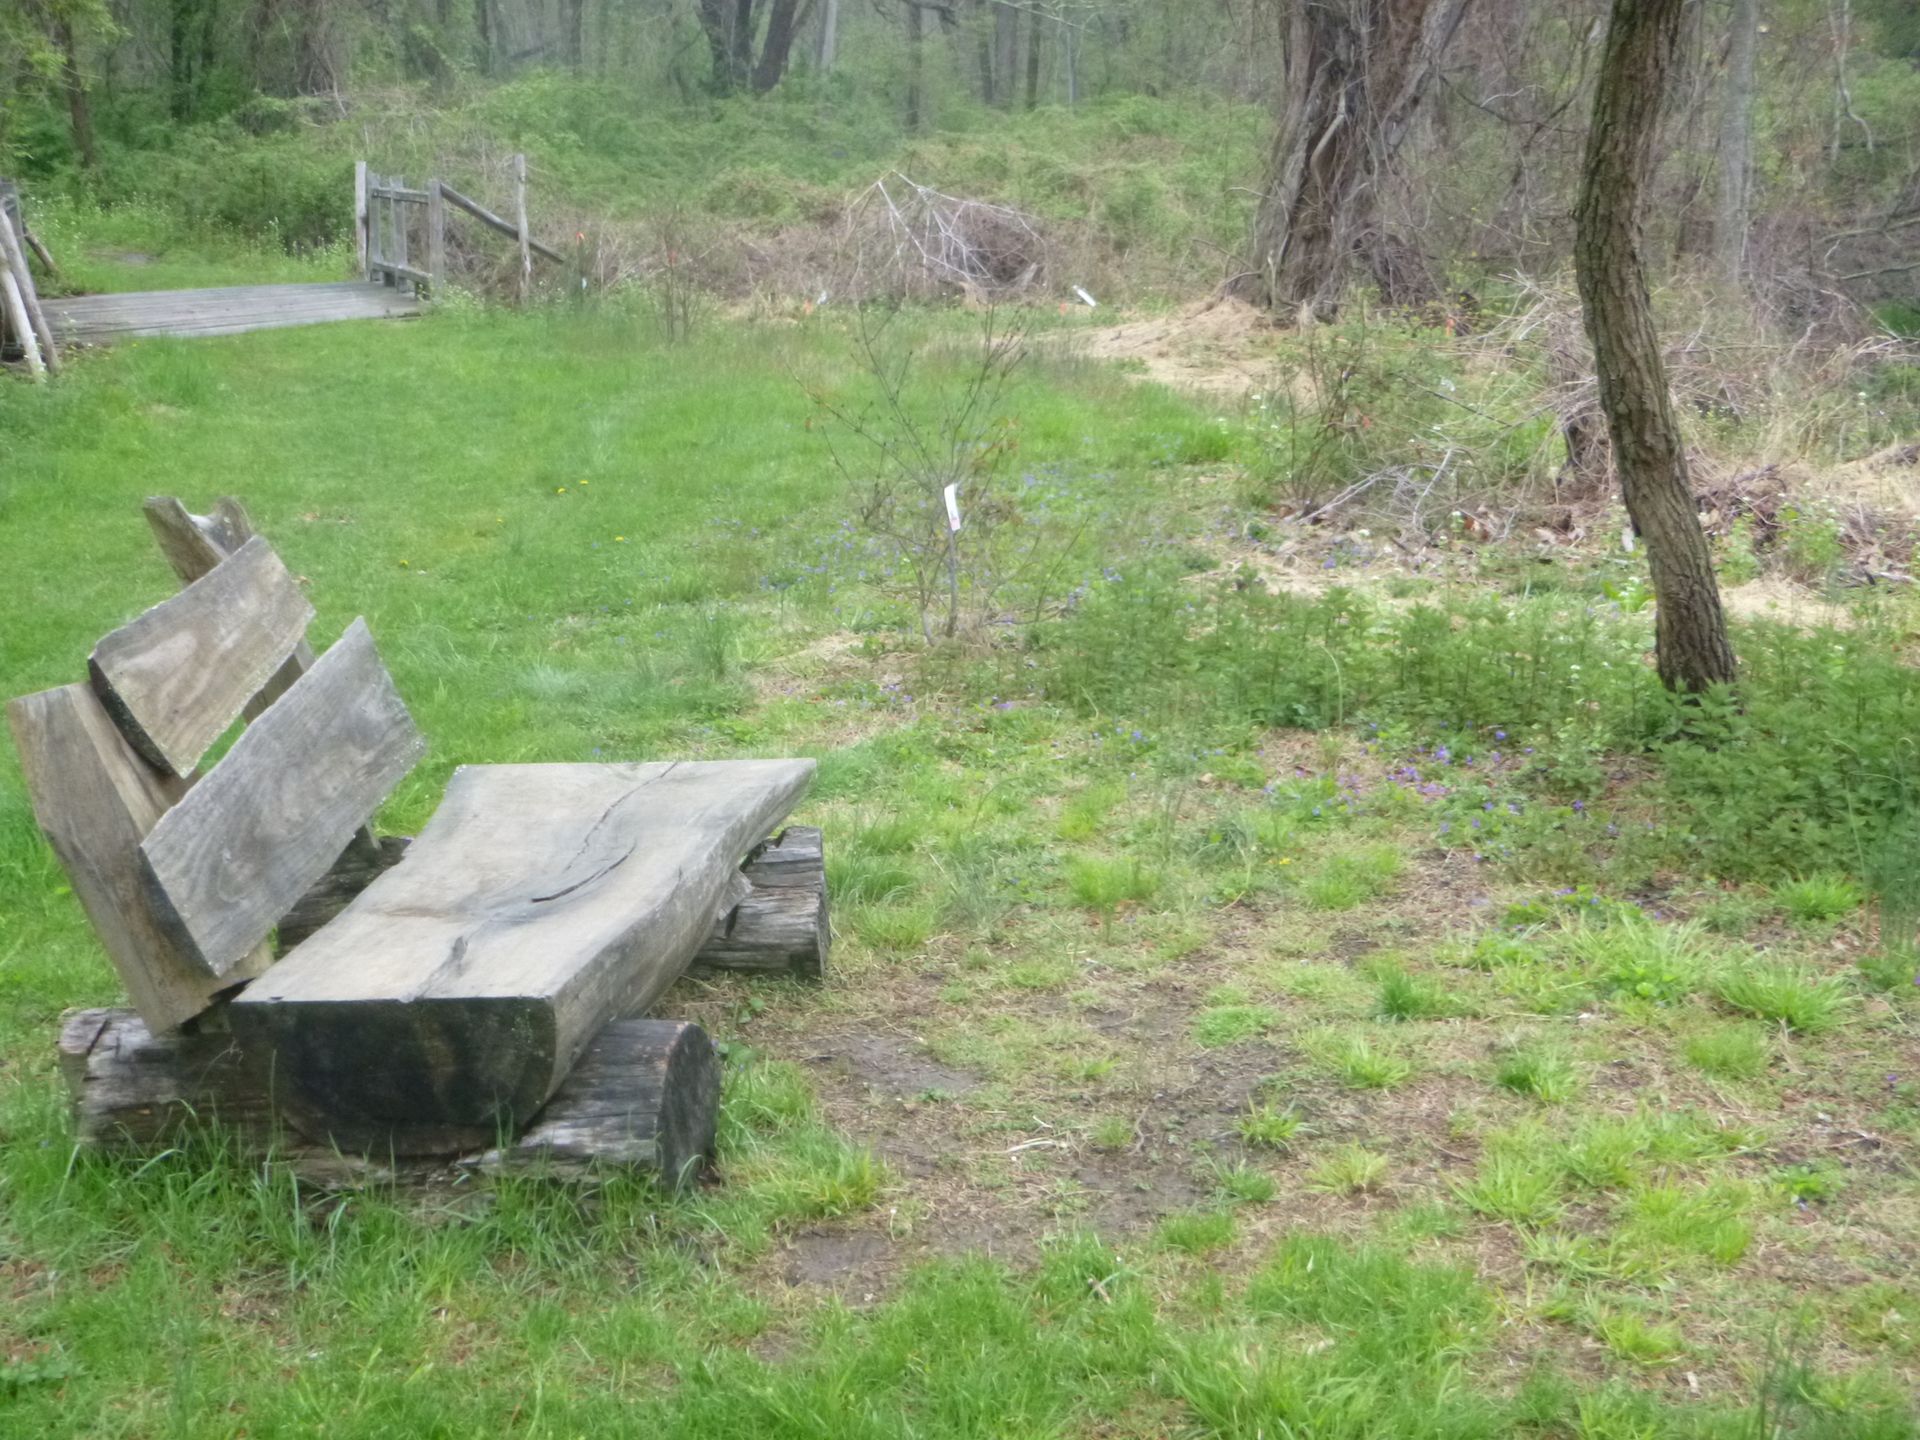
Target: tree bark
[[1736, 144], [1006, 45], [983, 39], [829, 34], [728, 25], [1355, 71], [573, 17], [1033, 58], [916, 65], [74, 82], [1692, 648], [783, 20]]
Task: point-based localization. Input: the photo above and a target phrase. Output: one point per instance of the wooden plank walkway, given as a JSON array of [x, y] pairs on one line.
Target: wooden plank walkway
[[230, 310]]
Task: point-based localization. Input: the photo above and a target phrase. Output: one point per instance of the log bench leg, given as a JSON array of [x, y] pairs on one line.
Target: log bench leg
[[645, 1097]]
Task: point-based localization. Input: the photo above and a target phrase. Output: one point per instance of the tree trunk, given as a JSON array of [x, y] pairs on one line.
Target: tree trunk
[[984, 40], [728, 25], [1692, 647], [782, 21], [829, 34], [1354, 74], [1736, 143], [1006, 46], [74, 82], [180, 57], [1033, 57], [916, 65], [573, 18]]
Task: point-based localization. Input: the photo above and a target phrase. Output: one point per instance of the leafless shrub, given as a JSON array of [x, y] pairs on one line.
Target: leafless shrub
[[907, 239], [927, 460]]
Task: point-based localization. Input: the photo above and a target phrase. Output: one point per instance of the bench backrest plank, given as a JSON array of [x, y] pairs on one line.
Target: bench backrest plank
[[235, 853], [96, 800], [177, 676], [194, 544]]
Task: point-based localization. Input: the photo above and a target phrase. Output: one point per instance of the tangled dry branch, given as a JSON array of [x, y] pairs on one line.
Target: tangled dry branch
[[906, 237]]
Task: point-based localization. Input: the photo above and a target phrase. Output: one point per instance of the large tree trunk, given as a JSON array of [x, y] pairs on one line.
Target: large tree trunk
[[1006, 46], [728, 25], [1354, 74], [1033, 57], [1692, 648], [916, 65], [180, 57], [829, 35], [74, 82], [783, 20], [984, 40], [1736, 143]]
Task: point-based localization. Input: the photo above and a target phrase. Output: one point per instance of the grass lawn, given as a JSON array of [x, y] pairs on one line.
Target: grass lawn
[[1182, 1071]]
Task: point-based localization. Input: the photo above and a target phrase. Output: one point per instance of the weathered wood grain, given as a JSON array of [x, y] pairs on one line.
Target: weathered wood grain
[[232, 310], [244, 844], [15, 256], [132, 1089], [780, 925], [96, 800], [539, 902], [775, 922], [177, 676], [194, 544], [645, 1096], [363, 861], [13, 309], [487, 217]]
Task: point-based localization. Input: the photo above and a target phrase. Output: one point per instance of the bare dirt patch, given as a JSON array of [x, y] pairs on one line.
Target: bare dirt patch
[[1219, 347]]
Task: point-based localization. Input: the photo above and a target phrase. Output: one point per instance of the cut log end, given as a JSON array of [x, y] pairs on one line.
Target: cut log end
[[645, 1096]]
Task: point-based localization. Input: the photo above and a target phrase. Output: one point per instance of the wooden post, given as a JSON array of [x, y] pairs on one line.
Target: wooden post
[[16, 264], [520, 225], [360, 217], [437, 237], [17, 322], [400, 255]]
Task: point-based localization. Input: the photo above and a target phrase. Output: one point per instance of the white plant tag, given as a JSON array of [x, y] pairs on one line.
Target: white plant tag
[[953, 506], [1091, 303]]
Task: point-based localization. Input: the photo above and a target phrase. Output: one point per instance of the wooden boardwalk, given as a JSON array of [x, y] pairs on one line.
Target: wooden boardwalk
[[230, 310]]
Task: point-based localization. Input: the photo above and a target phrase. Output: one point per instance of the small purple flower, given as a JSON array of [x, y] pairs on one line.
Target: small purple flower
[[1580, 807], [1499, 734]]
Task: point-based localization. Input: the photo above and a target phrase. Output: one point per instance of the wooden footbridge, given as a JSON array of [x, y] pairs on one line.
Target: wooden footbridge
[[400, 239]]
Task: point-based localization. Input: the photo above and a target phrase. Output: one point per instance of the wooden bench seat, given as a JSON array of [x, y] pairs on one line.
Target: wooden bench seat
[[460, 986]]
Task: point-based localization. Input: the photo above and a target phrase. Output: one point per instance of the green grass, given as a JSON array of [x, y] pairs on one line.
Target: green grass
[[1267, 1127], [1348, 1170], [1733, 1051], [1078, 1004], [1786, 994], [1542, 1074], [1361, 1062], [1816, 899]]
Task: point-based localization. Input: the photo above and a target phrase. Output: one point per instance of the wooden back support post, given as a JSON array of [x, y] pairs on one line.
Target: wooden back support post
[[185, 875]]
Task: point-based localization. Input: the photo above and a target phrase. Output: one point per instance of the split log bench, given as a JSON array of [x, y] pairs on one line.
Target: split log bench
[[465, 995]]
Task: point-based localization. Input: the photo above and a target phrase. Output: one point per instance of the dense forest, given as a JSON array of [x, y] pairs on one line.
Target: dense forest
[[1790, 155]]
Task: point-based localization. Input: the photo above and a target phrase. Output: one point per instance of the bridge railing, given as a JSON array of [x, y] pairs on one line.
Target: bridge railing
[[390, 215]]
